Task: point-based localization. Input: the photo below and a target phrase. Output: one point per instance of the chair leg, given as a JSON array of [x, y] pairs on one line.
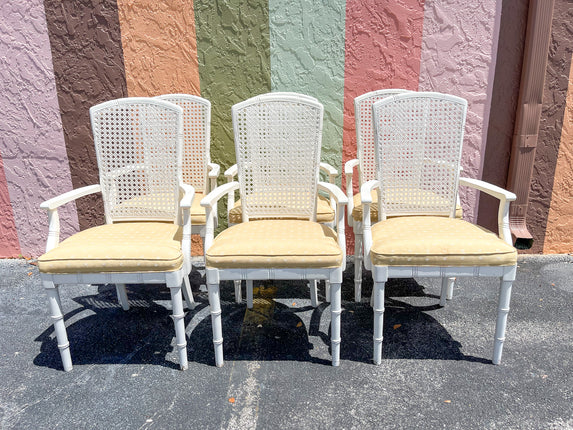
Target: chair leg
[[358, 257], [217, 325], [502, 311], [238, 292], [447, 290], [450, 293], [122, 296], [178, 319], [378, 320], [327, 290], [335, 311], [313, 285], [188, 293], [55, 308], [250, 293]]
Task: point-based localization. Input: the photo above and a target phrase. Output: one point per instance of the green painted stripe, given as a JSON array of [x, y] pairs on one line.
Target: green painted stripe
[[307, 56], [234, 63]]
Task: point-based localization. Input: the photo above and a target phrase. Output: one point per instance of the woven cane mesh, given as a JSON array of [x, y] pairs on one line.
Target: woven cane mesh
[[418, 149], [138, 145], [365, 131], [196, 137], [277, 141]]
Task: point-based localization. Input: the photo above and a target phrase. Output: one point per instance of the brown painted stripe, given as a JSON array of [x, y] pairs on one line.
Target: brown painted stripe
[[559, 231], [503, 105], [8, 235], [554, 102], [159, 47], [86, 48]]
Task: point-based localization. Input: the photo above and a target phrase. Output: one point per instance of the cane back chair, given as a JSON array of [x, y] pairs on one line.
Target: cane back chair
[[325, 213], [367, 171], [418, 146], [277, 144], [147, 235]]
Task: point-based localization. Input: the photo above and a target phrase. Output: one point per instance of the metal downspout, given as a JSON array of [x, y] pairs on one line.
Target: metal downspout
[[528, 115]]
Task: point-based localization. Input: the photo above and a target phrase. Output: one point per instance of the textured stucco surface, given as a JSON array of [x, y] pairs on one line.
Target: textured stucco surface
[[558, 236], [504, 99], [88, 66], [9, 245], [457, 50], [383, 44], [554, 96], [307, 56], [159, 47], [31, 138]]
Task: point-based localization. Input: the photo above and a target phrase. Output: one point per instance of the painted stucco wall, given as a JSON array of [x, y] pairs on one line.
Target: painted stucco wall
[[31, 136]]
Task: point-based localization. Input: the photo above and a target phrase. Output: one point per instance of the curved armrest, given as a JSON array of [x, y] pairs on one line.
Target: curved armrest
[[348, 172], [214, 170], [210, 200], [185, 221], [366, 197], [231, 172], [72, 195], [329, 170], [341, 200], [188, 196], [350, 165], [334, 191], [504, 197]]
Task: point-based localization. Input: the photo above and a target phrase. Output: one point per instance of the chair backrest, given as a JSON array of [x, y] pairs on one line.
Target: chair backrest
[[138, 144], [418, 146], [196, 138], [277, 143], [365, 131]]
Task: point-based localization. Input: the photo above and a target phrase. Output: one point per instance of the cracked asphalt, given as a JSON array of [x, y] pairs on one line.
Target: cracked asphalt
[[436, 370]]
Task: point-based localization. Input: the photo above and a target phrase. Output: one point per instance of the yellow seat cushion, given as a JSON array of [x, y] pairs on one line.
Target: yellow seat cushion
[[357, 210], [437, 241], [324, 212], [275, 244], [122, 247]]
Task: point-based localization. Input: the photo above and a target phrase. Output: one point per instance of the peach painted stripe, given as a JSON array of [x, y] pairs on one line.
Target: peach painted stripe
[[558, 237], [459, 38], [9, 245], [383, 45], [159, 47], [32, 140]]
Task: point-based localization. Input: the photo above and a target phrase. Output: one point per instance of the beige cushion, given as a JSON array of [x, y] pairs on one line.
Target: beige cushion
[[324, 212], [437, 241], [276, 244], [357, 210], [121, 247]]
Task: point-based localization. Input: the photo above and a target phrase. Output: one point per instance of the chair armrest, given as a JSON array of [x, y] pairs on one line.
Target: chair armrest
[[348, 172], [504, 197], [366, 197], [330, 171], [209, 202], [231, 172], [334, 191], [341, 200], [185, 221], [188, 196], [72, 195], [52, 206], [214, 170]]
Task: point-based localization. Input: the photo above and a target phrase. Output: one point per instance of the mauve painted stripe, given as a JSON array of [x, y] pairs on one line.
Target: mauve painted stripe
[[9, 245], [159, 47], [383, 44], [32, 141], [85, 39], [307, 56], [458, 41]]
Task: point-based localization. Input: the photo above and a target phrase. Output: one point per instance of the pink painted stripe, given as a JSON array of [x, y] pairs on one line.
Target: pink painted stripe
[[32, 143], [457, 46], [383, 44], [9, 246]]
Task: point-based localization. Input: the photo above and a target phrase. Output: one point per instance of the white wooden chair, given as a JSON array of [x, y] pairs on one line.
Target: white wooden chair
[[277, 143], [418, 146], [325, 211], [366, 165], [147, 235]]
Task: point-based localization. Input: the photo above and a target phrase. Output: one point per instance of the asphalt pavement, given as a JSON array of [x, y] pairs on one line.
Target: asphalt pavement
[[436, 370]]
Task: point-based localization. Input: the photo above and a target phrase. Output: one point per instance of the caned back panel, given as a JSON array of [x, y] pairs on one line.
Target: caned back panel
[[277, 143], [365, 130], [196, 137], [418, 145], [138, 145]]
